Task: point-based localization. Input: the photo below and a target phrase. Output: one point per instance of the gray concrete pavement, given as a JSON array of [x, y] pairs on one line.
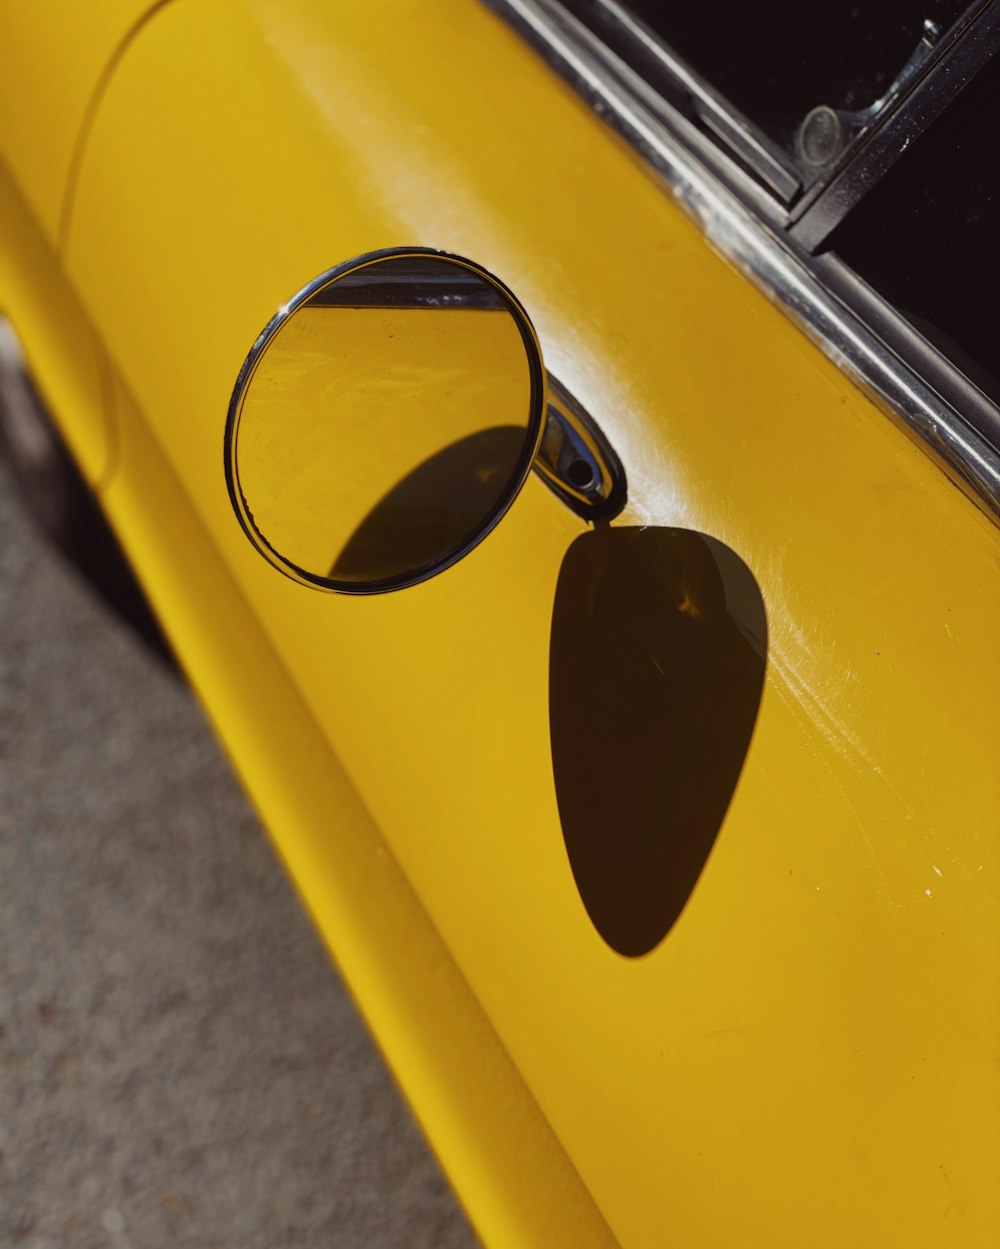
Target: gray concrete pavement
[[179, 1064]]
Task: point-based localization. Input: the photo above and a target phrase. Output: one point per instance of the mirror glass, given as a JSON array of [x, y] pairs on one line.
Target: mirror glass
[[384, 421]]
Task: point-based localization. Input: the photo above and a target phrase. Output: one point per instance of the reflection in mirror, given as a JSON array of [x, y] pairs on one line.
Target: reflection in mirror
[[431, 509], [385, 422], [658, 648]]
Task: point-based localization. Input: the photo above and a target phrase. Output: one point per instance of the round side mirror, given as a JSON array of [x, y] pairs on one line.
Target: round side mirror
[[384, 421]]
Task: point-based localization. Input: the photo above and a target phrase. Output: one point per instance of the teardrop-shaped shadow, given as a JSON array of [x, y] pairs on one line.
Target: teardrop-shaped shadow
[[656, 667]]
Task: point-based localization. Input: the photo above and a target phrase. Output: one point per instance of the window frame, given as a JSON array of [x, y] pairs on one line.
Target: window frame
[[755, 225]]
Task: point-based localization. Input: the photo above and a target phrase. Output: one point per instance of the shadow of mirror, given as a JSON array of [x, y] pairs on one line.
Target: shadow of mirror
[[658, 649], [429, 514]]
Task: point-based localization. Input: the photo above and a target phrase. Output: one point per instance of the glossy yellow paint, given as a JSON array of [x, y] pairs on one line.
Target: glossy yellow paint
[[60, 347], [53, 56], [442, 1048], [811, 1054]]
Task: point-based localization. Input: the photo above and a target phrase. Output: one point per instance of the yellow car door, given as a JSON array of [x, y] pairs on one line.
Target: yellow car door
[[810, 1052], [54, 62]]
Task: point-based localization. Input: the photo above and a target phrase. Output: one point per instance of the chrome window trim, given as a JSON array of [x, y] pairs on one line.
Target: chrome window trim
[[745, 240], [815, 198], [763, 157]]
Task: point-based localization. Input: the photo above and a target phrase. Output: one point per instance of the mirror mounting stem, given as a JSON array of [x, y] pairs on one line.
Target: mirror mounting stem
[[576, 461]]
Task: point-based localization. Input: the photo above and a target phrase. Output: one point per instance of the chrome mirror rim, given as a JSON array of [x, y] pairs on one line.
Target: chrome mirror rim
[[533, 434]]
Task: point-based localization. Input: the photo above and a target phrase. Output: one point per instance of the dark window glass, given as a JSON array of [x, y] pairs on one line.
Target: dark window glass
[[777, 59], [927, 236]]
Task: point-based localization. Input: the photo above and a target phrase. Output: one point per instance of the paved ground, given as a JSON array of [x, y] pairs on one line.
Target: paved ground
[[179, 1065]]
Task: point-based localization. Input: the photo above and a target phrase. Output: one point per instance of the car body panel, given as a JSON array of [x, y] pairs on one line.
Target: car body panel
[[480, 1116], [811, 1052], [65, 356], [53, 59]]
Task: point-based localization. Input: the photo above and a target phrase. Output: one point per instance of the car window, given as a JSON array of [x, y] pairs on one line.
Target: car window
[[927, 236], [776, 61]]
